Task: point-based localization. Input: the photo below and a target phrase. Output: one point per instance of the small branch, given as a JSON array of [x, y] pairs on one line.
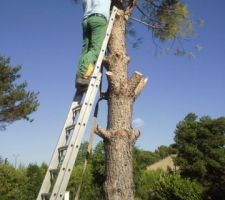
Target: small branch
[[146, 24], [140, 87], [145, 15], [102, 133], [130, 7], [153, 4]]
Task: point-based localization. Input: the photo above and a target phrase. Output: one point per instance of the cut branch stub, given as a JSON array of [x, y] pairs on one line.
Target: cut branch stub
[[136, 84], [140, 87], [125, 133], [102, 133], [135, 134], [135, 78]]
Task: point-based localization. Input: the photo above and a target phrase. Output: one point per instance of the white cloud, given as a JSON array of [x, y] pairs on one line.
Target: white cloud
[[138, 122]]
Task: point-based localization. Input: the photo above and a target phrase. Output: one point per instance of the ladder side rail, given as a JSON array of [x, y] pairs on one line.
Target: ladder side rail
[[75, 134], [82, 130], [46, 184], [72, 151]]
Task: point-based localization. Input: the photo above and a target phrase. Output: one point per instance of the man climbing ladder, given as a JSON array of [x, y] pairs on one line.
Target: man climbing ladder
[[95, 21], [60, 167]]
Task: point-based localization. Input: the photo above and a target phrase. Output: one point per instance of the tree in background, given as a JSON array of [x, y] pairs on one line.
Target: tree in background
[[167, 20], [98, 166], [165, 151], [82, 154], [15, 102], [22, 183], [11, 183], [89, 189], [34, 175], [201, 149]]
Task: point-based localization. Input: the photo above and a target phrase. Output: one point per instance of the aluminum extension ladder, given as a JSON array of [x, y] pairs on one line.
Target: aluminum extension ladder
[[61, 165]]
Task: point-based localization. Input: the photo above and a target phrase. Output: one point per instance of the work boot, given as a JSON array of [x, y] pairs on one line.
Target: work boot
[[83, 82], [89, 71], [81, 85]]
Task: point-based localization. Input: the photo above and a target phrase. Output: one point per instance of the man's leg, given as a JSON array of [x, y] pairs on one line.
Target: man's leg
[[80, 82], [97, 25], [85, 44]]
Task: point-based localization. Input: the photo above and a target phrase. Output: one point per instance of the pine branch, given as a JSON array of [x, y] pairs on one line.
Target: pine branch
[[145, 15], [146, 24]]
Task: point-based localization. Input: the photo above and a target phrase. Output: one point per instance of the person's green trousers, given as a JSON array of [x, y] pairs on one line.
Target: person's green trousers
[[94, 30]]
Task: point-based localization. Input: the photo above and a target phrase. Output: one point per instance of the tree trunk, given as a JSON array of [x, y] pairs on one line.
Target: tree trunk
[[119, 137], [118, 147]]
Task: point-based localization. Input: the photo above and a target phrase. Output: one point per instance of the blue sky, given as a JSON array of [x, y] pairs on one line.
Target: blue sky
[[45, 38]]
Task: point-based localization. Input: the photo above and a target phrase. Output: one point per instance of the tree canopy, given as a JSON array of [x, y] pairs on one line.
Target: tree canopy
[[168, 19], [201, 149], [15, 101]]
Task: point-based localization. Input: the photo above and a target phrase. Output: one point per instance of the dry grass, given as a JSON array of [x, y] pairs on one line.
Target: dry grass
[[164, 164]]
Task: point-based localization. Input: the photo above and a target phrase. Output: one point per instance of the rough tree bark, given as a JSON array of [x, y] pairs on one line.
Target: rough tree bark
[[119, 137]]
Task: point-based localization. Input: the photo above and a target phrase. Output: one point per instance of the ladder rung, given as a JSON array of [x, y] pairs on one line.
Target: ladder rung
[[45, 196], [76, 108], [63, 148], [69, 128]]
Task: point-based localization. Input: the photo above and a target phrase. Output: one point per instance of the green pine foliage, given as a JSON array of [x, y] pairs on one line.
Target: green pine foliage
[[173, 18], [201, 152], [168, 19], [16, 102]]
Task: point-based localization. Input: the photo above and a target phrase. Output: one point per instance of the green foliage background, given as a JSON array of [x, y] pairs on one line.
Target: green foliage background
[[200, 149], [24, 183], [201, 152]]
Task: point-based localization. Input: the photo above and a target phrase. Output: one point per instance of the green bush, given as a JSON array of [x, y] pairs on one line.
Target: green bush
[[158, 185], [11, 183], [88, 189]]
